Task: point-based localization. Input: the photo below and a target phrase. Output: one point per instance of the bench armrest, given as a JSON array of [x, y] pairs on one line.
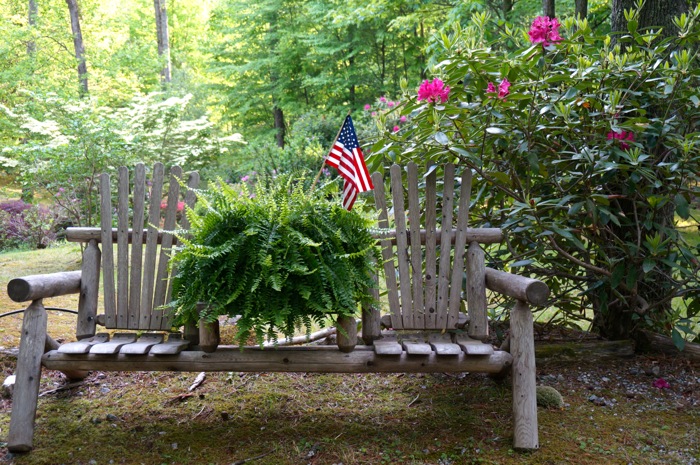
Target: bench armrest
[[528, 290], [40, 286]]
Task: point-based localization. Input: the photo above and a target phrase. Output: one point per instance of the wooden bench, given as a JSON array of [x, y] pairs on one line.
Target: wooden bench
[[424, 264]]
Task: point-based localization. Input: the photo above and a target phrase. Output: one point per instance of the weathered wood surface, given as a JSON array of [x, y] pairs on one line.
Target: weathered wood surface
[[429, 237], [317, 359], [209, 335], [480, 235], [402, 247], [476, 293], [143, 345], [123, 248], [522, 348], [525, 289], [114, 345], [173, 346], [40, 286], [414, 213], [86, 324], [459, 249], [150, 257], [658, 343], [51, 344], [83, 346], [392, 292], [444, 268], [26, 392], [137, 240], [109, 292], [584, 351], [347, 333]]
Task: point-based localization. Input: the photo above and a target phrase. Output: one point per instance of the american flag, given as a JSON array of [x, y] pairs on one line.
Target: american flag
[[346, 156]]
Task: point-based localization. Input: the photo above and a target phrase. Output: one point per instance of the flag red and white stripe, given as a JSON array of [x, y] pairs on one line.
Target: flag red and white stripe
[[346, 156]]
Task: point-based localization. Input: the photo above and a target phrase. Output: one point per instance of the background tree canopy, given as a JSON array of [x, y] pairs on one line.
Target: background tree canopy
[[236, 89]]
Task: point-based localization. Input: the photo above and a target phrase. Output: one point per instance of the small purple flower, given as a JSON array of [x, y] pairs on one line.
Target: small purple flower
[[396, 129], [374, 113], [326, 172], [368, 107], [403, 119], [245, 178]]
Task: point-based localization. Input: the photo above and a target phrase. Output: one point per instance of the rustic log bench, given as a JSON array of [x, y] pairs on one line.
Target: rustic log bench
[[424, 330]]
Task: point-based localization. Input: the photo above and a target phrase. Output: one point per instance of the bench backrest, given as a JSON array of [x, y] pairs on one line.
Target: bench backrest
[[134, 255], [424, 265]]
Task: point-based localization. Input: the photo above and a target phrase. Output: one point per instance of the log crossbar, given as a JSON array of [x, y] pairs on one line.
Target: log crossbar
[[289, 359]]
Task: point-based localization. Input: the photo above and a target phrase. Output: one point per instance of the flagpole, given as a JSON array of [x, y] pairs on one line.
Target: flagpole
[[323, 165]]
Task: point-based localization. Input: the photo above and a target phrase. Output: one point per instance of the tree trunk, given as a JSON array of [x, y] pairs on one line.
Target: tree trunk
[[548, 8], [163, 40], [581, 10], [278, 115], [654, 14], [79, 46], [31, 22]]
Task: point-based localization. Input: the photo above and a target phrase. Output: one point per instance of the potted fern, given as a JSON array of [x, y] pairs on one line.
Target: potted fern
[[280, 258]]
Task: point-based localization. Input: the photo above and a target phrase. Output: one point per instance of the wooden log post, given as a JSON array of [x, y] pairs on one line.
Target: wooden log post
[[209, 332], [347, 333], [26, 392], [476, 293], [89, 291], [522, 348]]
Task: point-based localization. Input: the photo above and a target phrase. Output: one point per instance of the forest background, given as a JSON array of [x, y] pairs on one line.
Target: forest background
[[238, 89]]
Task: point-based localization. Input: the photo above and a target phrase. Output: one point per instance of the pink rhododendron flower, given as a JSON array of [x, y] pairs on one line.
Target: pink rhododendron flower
[[382, 99], [180, 206], [374, 113], [545, 31], [245, 178], [396, 129], [622, 136], [391, 104], [433, 91], [661, 384], [403, 119], [503, 88], [368, 107]]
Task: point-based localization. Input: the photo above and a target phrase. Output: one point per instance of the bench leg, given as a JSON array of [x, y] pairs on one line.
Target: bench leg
[[26, 391], [522, 348]]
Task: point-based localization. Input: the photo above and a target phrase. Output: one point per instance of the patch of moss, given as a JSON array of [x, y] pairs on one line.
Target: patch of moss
[[548, 397]]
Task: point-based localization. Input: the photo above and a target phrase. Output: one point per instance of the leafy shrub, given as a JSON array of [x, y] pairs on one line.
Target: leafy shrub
[[27, 226], [585, 148], [279, 257]]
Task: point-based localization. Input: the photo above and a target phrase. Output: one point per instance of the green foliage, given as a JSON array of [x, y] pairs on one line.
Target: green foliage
[[585, 162], [280, 258], [65, 144]]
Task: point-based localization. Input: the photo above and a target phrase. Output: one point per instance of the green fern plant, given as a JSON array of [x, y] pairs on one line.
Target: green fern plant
[[280, 258]]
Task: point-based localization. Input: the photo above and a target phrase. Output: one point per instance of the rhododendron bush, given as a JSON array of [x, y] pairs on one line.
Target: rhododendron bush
[[586, 150]]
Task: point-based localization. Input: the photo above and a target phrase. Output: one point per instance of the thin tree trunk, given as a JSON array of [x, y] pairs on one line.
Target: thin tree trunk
[[278, 115], [581, 8], [31, 21], [163, 39], [548, 8], [79, 46]]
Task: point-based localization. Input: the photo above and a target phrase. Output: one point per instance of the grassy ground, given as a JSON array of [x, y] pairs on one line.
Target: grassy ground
[[613, 413]]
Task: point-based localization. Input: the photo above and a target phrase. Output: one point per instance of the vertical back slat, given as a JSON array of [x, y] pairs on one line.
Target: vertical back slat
[[123, 249], [459, 248], [387, 253], [107, 251], [149, 264], [157, 320], [476, 293], [402, 247], [445, 246], [430, 250], [190, 199], [414, 214], [137, 246]]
